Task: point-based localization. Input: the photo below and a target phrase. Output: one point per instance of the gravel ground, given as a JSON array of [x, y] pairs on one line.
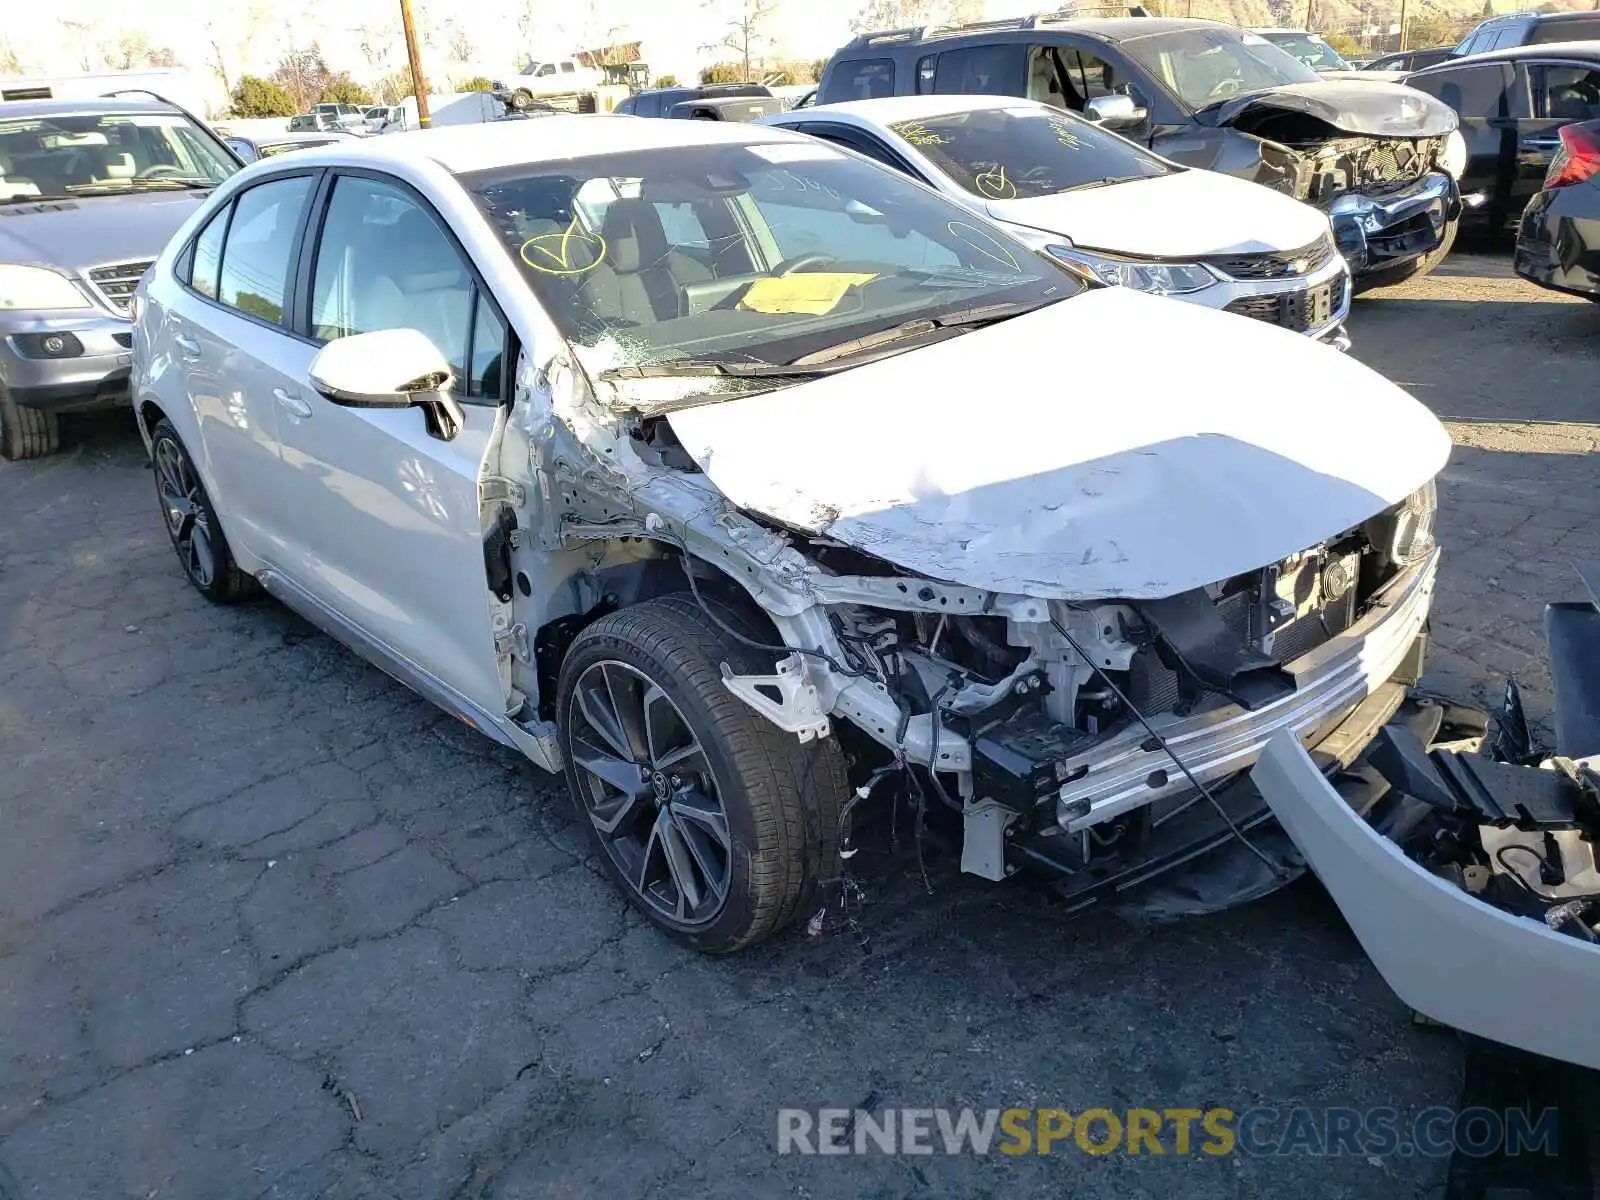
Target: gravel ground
[[272, 926]]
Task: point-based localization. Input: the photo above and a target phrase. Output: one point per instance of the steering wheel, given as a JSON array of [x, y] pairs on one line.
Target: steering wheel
[[1224, 89], [1038, 173], [161, 171], [816, 258]]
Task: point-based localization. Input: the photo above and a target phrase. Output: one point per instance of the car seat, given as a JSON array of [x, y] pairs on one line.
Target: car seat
[[641, 279], [422, 285], [14, 186]]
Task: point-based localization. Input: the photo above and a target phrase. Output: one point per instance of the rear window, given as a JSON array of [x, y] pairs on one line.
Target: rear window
[[1017, 153], [861, 79], [980, 71], [1579, 30]]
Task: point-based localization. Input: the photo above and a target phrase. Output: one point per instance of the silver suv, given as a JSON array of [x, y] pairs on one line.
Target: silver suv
[[90, 191]]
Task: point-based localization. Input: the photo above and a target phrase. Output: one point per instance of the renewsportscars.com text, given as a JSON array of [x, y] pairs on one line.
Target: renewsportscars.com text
[[1433, 1132]]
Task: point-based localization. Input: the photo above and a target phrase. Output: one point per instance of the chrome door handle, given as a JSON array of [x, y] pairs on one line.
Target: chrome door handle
[[291, 402], [187, 346]]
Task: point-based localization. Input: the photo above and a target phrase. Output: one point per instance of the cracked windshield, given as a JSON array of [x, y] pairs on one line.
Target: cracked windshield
[[758, 254]]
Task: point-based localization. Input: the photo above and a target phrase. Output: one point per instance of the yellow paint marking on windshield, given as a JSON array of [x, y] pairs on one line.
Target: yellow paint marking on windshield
[[919, 134], [993, 184], [984, 243], [811, 292], [564, 253], [1064, 132]]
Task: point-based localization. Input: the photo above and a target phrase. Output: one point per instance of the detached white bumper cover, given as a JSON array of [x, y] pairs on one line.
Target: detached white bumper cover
[[1446, 954]]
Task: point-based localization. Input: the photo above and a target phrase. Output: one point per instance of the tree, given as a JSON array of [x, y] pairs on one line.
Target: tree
[[722, 73], [746, 31], [817, 68], [476, 83], [341, 89], [230, 31], [255, 97], [459, 46], [394, 87], [667, 80], [304, 75], [1343, 45], [898, 14]]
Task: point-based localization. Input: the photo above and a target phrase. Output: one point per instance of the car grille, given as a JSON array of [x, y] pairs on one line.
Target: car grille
[[116, 282], [1299, 311], [1276, 264]]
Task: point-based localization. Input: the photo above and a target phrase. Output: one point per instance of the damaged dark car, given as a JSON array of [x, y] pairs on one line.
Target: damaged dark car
[[1380, 159]]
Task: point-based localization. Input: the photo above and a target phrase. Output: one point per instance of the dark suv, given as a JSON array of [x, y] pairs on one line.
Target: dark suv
[[1530, 29], [1373, 155], [708, 102]]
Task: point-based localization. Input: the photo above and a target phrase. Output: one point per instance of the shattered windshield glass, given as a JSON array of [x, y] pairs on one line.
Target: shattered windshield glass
[[103, 154], [746, 254], [1012, 153], [1310, 49], [1203, 67]]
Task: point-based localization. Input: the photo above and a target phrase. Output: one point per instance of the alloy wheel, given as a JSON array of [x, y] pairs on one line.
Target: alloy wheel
[[647, 786], [183, 507]]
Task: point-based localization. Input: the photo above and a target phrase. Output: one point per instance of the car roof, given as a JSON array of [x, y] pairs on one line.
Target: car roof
[[463, 149], [1585, 49], [1108, 29], [889, 110], [67, 106]]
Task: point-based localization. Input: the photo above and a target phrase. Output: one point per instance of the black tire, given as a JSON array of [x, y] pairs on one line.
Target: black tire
[[1415, 269], [192, 522], [779, 797], [26, 432], [521, 101]]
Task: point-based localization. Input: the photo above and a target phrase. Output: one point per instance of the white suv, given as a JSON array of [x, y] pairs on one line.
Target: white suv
[[749, 483]]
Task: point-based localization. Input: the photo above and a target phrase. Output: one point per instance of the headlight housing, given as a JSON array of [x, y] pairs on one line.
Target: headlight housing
[[1157, 278], [37, 288], [1404, 533], [1453, 158]]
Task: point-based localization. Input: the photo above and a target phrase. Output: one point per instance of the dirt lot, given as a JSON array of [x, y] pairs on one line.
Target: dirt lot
[[271, 926]]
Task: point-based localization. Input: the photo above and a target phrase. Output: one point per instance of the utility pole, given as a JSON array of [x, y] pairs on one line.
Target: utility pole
[[1402, 24], [415, 57]]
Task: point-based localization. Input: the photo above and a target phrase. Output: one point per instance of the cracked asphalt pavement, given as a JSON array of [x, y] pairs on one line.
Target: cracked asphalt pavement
[[271, 926]]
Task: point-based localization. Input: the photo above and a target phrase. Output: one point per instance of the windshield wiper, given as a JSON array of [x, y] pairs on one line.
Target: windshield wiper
[[120, 186], [961, 318], [690, 367]]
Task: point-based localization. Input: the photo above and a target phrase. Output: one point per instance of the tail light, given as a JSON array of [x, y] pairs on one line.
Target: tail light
[[1579, 156]]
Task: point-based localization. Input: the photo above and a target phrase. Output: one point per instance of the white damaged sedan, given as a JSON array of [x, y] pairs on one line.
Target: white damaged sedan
[[1078, 191], [749, 486]]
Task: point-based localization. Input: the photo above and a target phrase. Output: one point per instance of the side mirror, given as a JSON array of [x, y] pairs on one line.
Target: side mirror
[[390, 368], [1114, 112], [245, 151]]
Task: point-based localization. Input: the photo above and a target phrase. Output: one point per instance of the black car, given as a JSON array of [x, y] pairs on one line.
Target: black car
[[1409, 60], [1370, 154], [1529, 29], [708, 102], [1558, 244], [1512, 105]]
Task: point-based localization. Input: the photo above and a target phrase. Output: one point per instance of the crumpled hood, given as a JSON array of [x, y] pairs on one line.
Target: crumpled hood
[[1376, 109], [1183, 215], [75, 235], [1111, 445]]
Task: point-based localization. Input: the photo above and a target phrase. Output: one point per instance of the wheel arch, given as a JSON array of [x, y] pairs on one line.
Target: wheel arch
[[619, 584]]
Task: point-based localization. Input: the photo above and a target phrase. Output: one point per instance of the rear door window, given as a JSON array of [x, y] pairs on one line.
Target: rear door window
[[1472, 91], [254, 277], [1567, 93], [864, 79], [981, 71], [207, 259]]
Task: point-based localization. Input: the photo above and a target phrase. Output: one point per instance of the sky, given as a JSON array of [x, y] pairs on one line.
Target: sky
[[362, 36]]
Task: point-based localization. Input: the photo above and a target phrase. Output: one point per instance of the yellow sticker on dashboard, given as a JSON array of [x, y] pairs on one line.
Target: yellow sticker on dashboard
[[812, 292]]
